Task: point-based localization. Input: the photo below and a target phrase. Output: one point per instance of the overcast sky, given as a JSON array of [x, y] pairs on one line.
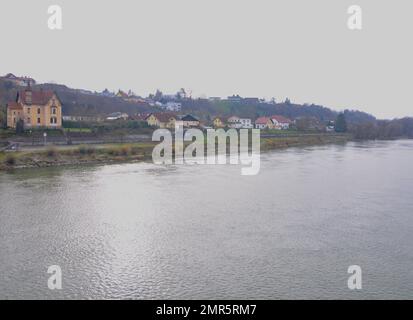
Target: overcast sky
[[257, 48]]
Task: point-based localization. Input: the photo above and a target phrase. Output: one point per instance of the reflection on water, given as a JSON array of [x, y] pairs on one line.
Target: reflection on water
[[145, 231]]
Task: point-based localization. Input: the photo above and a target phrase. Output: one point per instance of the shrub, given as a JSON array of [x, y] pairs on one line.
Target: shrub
[[125, 150], [11, 159], [86, 150], [51, 152], [134, 150], [113, 152]]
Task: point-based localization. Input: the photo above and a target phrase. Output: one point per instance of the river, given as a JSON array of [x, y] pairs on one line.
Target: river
[[140, 231]]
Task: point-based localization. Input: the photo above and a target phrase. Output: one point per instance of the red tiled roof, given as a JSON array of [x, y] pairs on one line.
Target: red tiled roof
[[141, 116], [281, 119], [38, 97], [262, 120], [14, 105], [164, 116]]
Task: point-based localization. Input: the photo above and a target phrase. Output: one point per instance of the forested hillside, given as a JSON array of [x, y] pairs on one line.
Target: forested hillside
[[81, 102]]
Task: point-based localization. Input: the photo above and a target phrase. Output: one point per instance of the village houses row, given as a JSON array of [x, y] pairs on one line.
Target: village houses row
[[43, 109], [170, 120]]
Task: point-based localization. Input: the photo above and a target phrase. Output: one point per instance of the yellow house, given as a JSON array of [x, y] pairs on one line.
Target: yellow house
[[161, 120], [218, 123], [37, 109], [152, 120]]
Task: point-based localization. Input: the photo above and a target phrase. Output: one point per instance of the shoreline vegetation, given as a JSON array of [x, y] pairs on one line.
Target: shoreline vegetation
[[73, 155]]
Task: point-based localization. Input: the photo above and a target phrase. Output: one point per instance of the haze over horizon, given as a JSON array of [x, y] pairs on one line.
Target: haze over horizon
[[262, 48]]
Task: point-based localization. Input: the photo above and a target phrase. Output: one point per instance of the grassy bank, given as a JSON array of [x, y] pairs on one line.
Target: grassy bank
[[303, 140], [84, 154], [141, 151]]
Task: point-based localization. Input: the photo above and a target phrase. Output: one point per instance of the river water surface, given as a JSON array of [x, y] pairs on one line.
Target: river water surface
[[185, 232]]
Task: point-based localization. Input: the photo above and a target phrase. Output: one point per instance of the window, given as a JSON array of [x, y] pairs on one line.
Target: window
[[54, 111], [38, 120], [38, 110], [53, 120]]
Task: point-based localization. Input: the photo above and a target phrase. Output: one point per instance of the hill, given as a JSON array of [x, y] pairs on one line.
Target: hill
[[87, 103]]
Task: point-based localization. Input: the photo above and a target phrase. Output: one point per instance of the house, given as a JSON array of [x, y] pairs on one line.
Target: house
[[82, 118], [162, 120], [37, 109], [214, 99], [238, 123], [173, 106], [233, 122], [263, 123], [117, 116], [280, 122], [218, 123], [122, 94], [187, 121], [246, 123], [20, 81], [140, 116]]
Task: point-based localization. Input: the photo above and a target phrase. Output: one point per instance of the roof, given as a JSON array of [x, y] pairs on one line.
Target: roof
[[233, 118], [41, 97], [117, 114], [14, 105], [281, 119], [164, 116], [10, 76], [141, 116], [188, 117], [262, 120]]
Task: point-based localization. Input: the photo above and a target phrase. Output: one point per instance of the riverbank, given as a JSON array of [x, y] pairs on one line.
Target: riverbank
[[140, 151]]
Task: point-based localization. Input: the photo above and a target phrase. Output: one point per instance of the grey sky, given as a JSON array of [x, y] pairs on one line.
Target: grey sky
[[282, 48]]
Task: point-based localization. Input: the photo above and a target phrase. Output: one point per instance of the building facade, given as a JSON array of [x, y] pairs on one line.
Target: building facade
[[263, 123], [280, 122], [161, 120], [36, 109], [218, 123]]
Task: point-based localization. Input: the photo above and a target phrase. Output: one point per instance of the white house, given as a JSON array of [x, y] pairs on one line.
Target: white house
[[233, 122], [280, 122], [238, 123], [263, 123], [117, 116], [173, 106], [246, 123]]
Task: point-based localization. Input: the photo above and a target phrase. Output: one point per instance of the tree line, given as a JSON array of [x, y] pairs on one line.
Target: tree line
[[383, 129]]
